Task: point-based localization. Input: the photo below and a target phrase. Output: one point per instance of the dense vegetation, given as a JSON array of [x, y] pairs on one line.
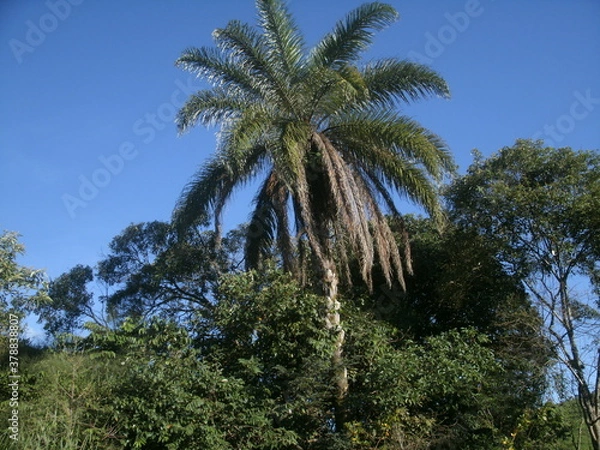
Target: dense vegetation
[[330, 320], [185, 349]]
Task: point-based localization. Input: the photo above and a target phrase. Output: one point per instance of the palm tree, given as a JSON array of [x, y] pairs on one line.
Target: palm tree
[[323, 133]]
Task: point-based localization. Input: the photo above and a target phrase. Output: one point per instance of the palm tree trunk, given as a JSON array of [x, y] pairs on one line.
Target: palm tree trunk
[[333, 323]]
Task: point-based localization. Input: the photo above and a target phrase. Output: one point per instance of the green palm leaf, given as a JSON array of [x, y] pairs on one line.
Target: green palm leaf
[[282, 39], [353, 35], [392, 80]]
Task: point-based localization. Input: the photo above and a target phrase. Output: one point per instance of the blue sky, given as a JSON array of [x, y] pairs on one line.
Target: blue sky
[[89, 89]]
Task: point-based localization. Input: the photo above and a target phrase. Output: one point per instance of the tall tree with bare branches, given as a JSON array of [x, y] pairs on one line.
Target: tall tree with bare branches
[[539, 207], [323, 132]]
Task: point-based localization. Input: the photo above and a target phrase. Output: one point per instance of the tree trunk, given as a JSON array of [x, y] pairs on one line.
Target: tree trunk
[[333, 323], [592, 419], [588, 398], [596, 405], [589, 402]]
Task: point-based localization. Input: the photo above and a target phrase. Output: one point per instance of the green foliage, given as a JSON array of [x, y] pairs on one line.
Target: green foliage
[[539, 205], [71, 302], [419, 395], [170, 397], [268, 331], [63, 403], [460, 282], [150, 272], [21, 288], [544, 427], [577, 437], [538, 208], [254, 372]]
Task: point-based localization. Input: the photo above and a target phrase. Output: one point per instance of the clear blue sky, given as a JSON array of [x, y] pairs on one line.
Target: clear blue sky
[[85, 80]]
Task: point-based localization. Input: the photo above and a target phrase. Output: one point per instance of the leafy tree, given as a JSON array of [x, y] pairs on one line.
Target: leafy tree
[[544, 427], [267, 330], [148, 272], [577, 438], [539, 207], [152, 272], [254, 372], [71, 302], [459, 282], [21, 288], [324, 130], [419, 395]]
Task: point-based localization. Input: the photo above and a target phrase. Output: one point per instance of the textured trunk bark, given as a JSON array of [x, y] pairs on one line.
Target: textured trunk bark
[[590, 414], [333, 323], [595, 431], [590, 402]]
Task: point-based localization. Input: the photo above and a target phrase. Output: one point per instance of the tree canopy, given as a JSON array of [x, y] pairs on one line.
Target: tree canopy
[[538, 206]]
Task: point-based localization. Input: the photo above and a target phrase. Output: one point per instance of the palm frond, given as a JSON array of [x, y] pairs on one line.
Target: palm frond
[[269, 223], [220, 70], [404, 177], [353, 35], [262, 227], [209, 108], [393, 80], [282, 39], [388, 253], [348, 199], [251, 128], [381, 190], [304, 210], [211, 187], [199, 196], [248, 48], [332, 91], [359, 224], [288, 150], [400, 136]]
